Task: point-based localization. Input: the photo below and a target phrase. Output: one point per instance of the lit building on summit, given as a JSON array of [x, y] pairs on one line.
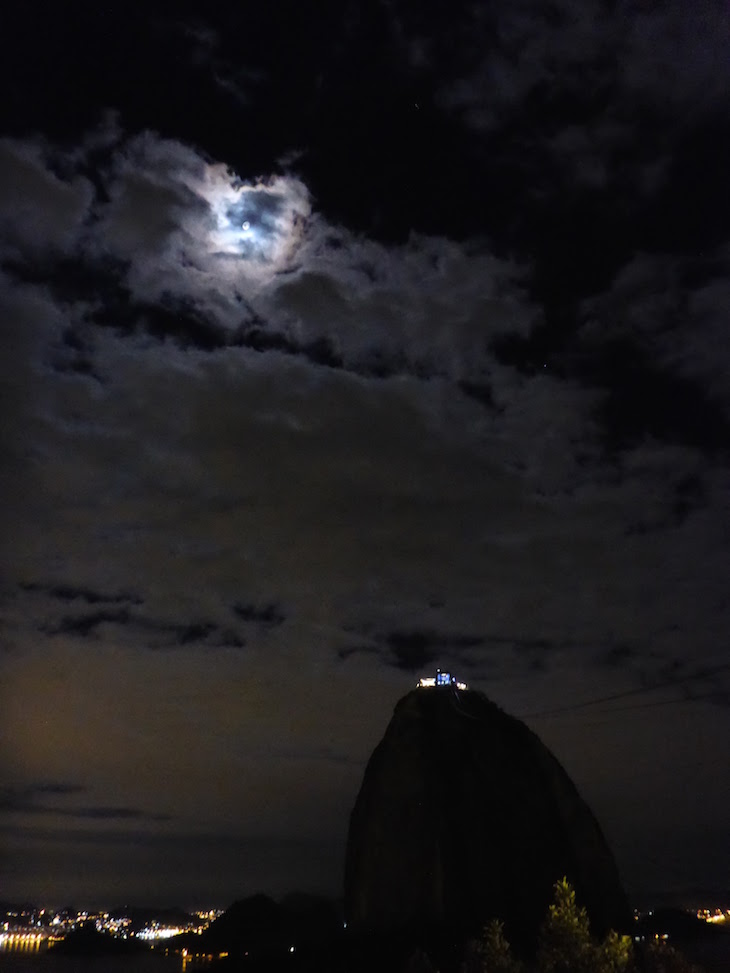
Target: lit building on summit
[[442, 680]]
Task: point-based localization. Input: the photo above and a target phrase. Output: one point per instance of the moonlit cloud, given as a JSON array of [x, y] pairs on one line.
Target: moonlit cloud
[[39, 211], [191, 228], [191, 249]]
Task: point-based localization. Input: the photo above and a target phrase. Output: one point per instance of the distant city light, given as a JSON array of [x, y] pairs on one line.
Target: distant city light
[[714, 915], [160, 932], [31, 930]]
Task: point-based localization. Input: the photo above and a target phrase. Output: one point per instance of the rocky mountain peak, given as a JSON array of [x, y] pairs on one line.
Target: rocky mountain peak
[[463, 815]]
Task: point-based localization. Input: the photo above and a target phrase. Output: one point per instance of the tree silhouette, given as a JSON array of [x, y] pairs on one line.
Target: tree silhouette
[[565, 944], [492, 951], [660, 957]]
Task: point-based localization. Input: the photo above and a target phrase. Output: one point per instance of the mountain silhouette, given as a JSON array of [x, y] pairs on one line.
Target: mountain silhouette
[[464, 815]]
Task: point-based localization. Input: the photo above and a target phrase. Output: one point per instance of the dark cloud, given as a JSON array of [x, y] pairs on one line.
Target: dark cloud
[[689, 495], [659, 378], [56, 788], [268, 614], [155, 633], [96, 279], [159, 634], [74, 356], [345, 652], [180, 320], [686, 497], [113, 306], [480, 391], [412, 650], [195, 632], [319, 351], [102, 813], [637, 349], [618, 655], [68, 592], [638, 398], [537, 653], [177, 321], [230, 639], [522, 644], [203, 633], [644, 401], [87, 625], [32, 799], [25, 798]]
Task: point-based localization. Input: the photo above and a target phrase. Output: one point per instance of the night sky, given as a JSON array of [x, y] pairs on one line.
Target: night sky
[[341, 342]]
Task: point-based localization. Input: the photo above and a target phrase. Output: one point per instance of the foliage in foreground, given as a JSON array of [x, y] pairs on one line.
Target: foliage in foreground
[[565, 945]]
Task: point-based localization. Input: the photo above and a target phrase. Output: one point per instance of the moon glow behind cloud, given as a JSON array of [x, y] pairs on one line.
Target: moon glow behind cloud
[[175, 221], [260, 224]]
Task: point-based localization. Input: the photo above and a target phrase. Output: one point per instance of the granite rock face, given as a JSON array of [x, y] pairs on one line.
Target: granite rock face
[[463, 815]]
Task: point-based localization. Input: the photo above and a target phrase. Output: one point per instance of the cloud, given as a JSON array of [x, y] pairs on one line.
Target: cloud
[[269, 614], [682, 44], [412, 650], [285, 439], [55, 788], [576, 54], [154, 633], [42, 213], [24, 798], [102, 813], [618, 655], [166, 254], [117, 617], [68, 592], [33, 799], [661, 316], [179, 222], [359, 404], [88, 624]]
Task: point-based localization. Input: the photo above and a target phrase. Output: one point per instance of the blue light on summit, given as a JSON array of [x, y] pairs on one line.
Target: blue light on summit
[[442, 680]]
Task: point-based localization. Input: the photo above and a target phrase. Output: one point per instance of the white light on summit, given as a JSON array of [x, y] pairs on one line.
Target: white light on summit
[[442, 680]]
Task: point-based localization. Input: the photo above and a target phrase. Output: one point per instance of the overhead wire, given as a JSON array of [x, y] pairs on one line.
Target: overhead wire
[[705, 673]]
